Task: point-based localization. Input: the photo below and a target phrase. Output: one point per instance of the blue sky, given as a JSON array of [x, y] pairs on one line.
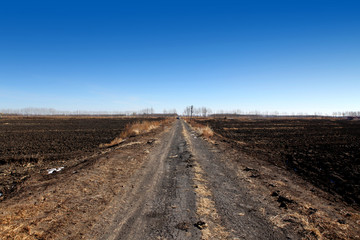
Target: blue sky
[[286, 56]]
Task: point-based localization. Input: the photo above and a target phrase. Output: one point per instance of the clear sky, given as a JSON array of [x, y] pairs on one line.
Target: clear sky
[[289, 55]]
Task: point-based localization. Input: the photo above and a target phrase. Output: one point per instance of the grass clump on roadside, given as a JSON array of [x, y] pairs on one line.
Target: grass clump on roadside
[[202, 130], [132, 130]]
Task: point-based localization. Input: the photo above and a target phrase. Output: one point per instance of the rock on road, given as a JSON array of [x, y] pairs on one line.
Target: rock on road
[[184, 192]]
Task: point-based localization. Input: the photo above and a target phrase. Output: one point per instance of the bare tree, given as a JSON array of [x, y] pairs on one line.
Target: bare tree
[[187, 111], [204, 111]]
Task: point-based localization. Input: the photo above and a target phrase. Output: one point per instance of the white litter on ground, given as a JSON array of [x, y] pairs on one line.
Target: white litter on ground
[[52, 170], [1, 194]]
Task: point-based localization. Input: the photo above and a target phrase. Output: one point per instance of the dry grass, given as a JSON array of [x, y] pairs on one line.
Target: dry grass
[[205, 131], [202, 130], [133, 130], [205, 207]]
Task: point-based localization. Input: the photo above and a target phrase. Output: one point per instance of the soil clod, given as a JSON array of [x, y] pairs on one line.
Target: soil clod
[[275, 194], [341, 221], [200, 225]]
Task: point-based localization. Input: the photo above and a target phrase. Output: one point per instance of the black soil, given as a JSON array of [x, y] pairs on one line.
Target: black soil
[[30, 139], [32, 144], [326, 152]]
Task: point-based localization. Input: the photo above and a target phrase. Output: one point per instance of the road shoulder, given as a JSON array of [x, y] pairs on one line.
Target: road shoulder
[[289, 203], [67, 204]]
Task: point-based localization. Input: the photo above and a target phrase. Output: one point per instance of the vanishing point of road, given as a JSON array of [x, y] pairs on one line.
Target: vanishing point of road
[[184, 191]]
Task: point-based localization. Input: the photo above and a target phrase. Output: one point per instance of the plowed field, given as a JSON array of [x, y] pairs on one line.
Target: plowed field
[[326, 152], [33, 144]]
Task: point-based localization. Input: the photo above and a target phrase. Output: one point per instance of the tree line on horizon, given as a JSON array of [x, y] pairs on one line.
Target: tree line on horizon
[[188, 111], [205, 112]]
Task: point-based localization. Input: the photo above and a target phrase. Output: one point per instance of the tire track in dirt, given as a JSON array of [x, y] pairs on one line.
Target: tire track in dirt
[[205, 205], [233, 211], [184, 192], [161, 202]]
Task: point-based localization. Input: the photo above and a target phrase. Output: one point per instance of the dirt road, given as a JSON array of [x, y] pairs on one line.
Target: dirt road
[[184, 192], [173, 184]]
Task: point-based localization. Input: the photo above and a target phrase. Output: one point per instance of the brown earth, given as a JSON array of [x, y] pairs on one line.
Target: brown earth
[[172, 184], [31, 145]]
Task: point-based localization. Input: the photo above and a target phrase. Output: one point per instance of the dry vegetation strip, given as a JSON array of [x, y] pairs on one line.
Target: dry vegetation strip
[[133, 130], [203, 130], [205, 205]]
